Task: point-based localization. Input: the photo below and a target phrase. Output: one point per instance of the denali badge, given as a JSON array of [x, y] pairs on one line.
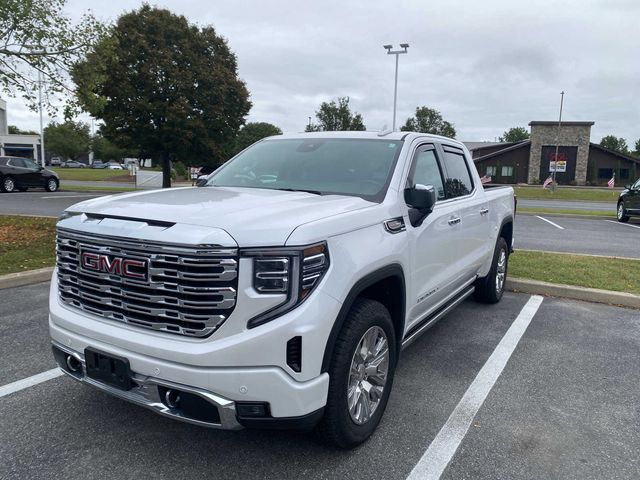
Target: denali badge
[[123, 267]]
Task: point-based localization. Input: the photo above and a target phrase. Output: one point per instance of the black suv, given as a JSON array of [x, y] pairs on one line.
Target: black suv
[[21, 173], [629, 202]]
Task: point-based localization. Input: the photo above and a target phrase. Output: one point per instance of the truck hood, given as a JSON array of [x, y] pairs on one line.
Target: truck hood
[[252, 216]]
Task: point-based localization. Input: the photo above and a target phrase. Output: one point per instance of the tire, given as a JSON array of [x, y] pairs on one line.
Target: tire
[[622, 213], [8, 184], [490, 289], [368, 323], [52, 184]]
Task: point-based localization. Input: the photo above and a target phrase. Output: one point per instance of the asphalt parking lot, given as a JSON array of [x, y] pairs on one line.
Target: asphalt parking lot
[[566, 405]]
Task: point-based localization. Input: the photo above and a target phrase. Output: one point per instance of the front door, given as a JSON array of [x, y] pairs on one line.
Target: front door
[[430, 242], [632, 201]]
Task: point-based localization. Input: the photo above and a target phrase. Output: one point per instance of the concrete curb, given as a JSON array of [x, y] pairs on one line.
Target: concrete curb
[[593, 295], [30, 277]]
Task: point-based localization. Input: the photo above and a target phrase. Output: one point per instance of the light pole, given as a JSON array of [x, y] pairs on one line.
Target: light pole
[[42, 162], [555, 165], [397, 53]]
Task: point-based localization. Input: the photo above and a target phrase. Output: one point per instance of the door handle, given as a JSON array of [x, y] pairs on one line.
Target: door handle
[[454, 221], [484, 211]]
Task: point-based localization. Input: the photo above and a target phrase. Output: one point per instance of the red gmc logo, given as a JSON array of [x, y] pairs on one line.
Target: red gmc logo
[[123, 267]]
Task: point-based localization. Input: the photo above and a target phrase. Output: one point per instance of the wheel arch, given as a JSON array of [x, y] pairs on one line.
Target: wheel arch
[[506, 231], [385, 285]]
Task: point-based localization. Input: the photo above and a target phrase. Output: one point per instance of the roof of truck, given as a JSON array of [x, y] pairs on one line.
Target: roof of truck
[[372, 135]]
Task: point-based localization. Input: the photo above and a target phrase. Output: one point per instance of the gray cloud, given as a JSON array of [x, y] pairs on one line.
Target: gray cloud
[[486, 66]]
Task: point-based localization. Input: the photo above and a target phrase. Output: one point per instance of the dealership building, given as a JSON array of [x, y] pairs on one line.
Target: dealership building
[[16, 145], [579, 162]]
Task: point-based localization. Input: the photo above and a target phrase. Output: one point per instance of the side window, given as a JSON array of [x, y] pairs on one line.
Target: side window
[[426, 171], [17, 162], [458, 179], [30, 164]]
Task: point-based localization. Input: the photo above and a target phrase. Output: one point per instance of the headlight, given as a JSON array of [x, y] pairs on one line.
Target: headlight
[[293, 271]]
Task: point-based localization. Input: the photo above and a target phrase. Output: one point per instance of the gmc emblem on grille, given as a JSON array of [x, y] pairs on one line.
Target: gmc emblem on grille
[[122, 267]]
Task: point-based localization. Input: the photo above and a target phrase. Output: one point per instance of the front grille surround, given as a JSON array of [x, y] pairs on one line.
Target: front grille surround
[[190, 290]]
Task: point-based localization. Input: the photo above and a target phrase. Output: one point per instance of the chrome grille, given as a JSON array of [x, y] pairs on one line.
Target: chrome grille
[[190, 290]]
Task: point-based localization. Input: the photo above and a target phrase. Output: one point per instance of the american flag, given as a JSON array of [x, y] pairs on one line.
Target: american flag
[[547, 182], [485, 179], [612, 182]]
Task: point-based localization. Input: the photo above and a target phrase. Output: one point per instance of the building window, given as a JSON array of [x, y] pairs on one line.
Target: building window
[[624, 173], [507, 171], [491, 171], [605, 172]]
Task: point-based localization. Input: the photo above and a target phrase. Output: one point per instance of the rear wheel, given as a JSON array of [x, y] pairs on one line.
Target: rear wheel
[[52, 184], [361, 375], [489, 289], [8, 184], [622, 213]]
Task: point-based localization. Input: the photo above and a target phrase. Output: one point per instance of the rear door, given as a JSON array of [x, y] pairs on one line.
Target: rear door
[[432, 274], [471, 244], [633, 202], [18, 171]]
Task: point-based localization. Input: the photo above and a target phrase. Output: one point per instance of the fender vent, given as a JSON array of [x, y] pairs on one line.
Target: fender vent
[[294, 354]]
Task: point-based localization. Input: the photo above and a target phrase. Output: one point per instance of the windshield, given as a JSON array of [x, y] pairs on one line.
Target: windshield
[[357, 167]]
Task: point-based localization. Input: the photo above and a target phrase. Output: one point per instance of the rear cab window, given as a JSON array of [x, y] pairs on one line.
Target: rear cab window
[[458, 179]]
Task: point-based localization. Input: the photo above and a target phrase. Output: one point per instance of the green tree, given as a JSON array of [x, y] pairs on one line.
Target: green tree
[[617, 144], [429, 120], [336, 116], [38, 37], [68, 139], [636, 151], [252, 132], [514, 134], [163, 87], [105, 150], [13, 130]]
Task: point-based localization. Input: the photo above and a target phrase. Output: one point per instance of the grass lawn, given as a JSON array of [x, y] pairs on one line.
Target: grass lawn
[[565, 211], [583, 271], [587, 194], [26, 243], [90, 174]]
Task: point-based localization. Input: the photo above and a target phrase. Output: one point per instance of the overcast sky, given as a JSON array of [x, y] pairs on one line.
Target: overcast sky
[[486, 66]]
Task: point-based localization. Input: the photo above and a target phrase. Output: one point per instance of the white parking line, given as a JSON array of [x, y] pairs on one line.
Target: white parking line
[[625, 224], [550, 222], [29, 382], [444, 445]]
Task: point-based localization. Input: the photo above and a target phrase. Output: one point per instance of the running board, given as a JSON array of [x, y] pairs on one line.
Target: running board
[[437, 315]]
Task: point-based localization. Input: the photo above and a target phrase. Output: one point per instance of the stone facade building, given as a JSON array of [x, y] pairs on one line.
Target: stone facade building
[[579, 162]]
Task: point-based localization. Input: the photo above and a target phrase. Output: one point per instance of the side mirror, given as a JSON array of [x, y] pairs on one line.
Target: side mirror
[[201, 182], [421, 199]]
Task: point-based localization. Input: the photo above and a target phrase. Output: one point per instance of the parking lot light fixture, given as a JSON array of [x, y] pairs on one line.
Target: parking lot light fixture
[[397, 53]]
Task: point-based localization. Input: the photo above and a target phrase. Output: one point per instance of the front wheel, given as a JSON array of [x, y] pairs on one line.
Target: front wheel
[[360, 375], [622, 213], [490, 289], [52, 185], [8, 185]]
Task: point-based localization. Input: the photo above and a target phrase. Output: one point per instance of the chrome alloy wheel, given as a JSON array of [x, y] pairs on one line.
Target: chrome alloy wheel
[[620, 210], [53, 185], [368, 375], [501, 271], [9, 185]]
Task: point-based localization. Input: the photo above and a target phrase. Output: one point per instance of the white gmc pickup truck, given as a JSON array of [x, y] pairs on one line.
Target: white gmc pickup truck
[[280, 292]]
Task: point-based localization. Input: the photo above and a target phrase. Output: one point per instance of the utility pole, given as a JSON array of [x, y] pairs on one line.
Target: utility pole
[[397, 53], [555, 165]]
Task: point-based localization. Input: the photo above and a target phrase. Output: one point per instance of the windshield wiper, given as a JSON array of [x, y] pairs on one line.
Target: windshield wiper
[[315, 192]]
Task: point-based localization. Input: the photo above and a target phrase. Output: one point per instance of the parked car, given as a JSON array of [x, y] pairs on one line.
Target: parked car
[[73, 164], [281, 292], [55, 161], [629, 202], [114, 166], [22, 173], [98, 164]]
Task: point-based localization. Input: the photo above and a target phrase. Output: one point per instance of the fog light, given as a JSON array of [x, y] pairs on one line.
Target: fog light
[[252, 409]]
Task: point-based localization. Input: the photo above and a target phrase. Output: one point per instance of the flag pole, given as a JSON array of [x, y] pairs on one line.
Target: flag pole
[[553, 183]]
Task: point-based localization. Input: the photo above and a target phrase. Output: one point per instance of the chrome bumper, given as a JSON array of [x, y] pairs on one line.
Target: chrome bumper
[[146, 394]]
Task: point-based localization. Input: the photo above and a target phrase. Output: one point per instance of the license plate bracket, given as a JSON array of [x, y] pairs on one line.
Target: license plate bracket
[[109, 369]]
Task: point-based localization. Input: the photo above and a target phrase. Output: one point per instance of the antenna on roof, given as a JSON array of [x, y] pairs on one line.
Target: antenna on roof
[[384, 131]]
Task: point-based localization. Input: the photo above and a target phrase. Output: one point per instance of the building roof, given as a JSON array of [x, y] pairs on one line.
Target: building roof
[[565, 124], [613, 152], [478, 145], [511, 147]]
